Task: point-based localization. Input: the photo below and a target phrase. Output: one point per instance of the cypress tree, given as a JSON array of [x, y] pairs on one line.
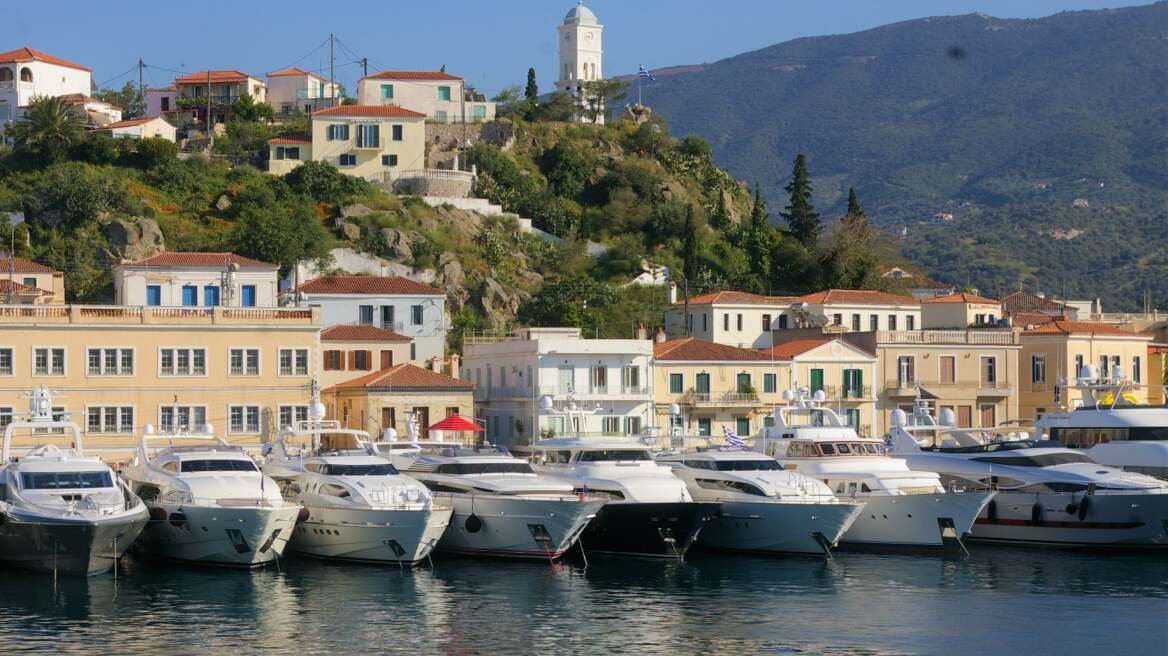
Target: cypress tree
[[854, 208], [689, 247], [801, 215], [720, 218], [531, 91]]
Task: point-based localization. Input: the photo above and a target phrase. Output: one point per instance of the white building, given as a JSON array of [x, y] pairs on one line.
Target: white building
[[139, 128], [196, 279], [26, 73], [390, 302], [442, 97], [609, 380], [581, 55], [293, 91]]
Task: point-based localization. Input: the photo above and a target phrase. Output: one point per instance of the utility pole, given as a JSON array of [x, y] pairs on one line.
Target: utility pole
[[364, 67], [141, 87], [210, 134], [332, 71], [688, 328]]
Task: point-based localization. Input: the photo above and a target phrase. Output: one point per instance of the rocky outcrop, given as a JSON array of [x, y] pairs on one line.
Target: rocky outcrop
[[500, 305], [397, 244], [354, 211], [134, 238], [352, 231], [453, 280], [223, 204]]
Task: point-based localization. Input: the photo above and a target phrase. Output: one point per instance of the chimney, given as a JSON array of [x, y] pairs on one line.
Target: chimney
[[455, 360], [672, 293], [659, 337], [642, 331], [436, 363]]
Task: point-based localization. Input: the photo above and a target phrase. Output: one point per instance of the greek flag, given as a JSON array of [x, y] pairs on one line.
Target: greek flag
[[644, 73], [731, 438]]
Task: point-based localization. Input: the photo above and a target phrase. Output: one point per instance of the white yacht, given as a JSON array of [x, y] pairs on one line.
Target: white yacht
[[209, 502], [1047, 495], [60, 510], [1109, 424], [357, 505], [906, 508], [765, 508], [501, 506], [649, 510]]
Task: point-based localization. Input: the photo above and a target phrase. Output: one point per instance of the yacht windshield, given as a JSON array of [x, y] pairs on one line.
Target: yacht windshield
[[383, 469], [1039, 460], [485, 468], [621, 455], [748, 465], [217, 466], [66, 480]]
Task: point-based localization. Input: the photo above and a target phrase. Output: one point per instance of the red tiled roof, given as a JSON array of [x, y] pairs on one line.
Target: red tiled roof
[[738, 298], [412, 75], [788, 350], [128, 123], [21, 265], [856, 297], [12, 287], [1027, 302], [216, 76], [388, 111], [1155, 349], [217, 260], [1092, 328], [406, 376], [290, 72], [352, 333], [27, 54], [1030, 318], [693, 349], [291, 139], [81, 98], [367, 285], [962, 297]]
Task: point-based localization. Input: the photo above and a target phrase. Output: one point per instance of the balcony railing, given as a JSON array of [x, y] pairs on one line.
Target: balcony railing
[[608, 391], [985, 337], [430, 174], [900, 387], [368, 144], [121, 314]]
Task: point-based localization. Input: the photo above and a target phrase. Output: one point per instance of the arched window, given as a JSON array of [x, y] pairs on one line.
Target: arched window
[[5, 74], [26, 74]]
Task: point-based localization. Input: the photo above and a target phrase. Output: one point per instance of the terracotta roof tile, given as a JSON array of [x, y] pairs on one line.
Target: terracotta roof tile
[[405, 376], [12, 287], [1027, 302], [128, 123], [1092, 328], [788, 350], [27, 54], [1030, 318], [292, 72], [962, 297], [357, 333], [738, 298], [412, 75], [294, 139], [216, 76], [387, 111], [21, 265], [693, 349], [217, 260], [367, 285], [82, 99], [856, 297]]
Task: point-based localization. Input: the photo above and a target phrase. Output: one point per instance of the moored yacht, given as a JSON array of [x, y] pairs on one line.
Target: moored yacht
[[765, 508], [357, 505], [1047, 495], [209, 502], [905, 508], [60, 510]]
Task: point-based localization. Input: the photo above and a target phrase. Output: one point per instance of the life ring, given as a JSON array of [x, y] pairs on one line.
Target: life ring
[[1083, 508], [1036, 514], [473, 524]]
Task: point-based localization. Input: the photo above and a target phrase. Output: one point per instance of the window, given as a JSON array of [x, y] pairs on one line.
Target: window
[[742, 426], [704, 427], [1115, 362], [852, 417], [165, 104], [479, 112], [48, 361], [1079, 364], [873, 322], [413, 351], [702, 383], [906, 370], [853, 383], [190, 295], [333, 360], [389, 160], [293, 362], [704, 326], [244, 419], [769, 383], [386, 359], [30, 282], [361, 360], [855, 323], [726, 321], [396, 133], [348, 159], [910, 322], [365, 315], [948, 368], [387, 92], [989, 372], [632, 425], [110, 362], [337, 132], [892, 322], [287, 152], [443, 93], [738, 323], [1137, 376], [837, 319], [440, 116], [610, 425], [109, 419], [631, 379], [153, 295], [172, 418], [6, 415], [292, 414], [247, 295], [211, 295], [368, 136], [766, 322], [1038, 368], [416, 315], [245, 362], [742, 383], [5, 362], [816, 380], [782, 322], [676, 383], [598, 379], [182, 362]]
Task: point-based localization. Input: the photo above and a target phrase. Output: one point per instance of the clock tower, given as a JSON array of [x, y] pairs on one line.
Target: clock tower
[[580, 52]]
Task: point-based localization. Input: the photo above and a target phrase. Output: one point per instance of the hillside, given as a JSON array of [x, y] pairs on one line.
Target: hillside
[[1000, 123]]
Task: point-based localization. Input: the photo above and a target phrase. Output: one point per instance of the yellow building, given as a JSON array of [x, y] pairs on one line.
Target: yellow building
[[383, 399], [960, 310], [23, 282], [113, 370], [844, 372], [1056, 351], [368, 141], [348, 351], [1157, 374]]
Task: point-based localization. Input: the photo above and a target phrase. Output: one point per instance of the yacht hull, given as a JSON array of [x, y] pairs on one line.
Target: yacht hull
[[779, 528], [216, 535], [656, 530], [516, 527], [375, 536], [67, 545], [1110, 520], [915, 522]]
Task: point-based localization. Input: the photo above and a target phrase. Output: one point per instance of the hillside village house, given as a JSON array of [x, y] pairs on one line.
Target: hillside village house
[[368, 141], [23, 282], [609, 381], [26, 74], [349, 351], [440, 96], [294, 91], [389, 302], [225, 88], [1025, 305], [960, 310], [196, 279], [385, 399], [844, 372], [138, 128], [1055, 352]]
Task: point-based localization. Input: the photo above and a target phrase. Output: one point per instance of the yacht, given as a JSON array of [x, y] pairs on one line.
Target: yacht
[[765, 508], [905, 508], [357, 506], [1110, 425], [649, 511], [501, 506], [60, 510], [209, 502], [1047, 495]]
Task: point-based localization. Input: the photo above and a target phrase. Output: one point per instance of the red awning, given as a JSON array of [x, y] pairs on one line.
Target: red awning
[[455, 423]]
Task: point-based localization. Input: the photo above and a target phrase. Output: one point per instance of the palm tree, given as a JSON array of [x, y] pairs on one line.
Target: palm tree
[[47, 129]]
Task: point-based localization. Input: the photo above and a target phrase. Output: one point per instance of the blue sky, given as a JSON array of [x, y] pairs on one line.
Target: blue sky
[[489, 42]]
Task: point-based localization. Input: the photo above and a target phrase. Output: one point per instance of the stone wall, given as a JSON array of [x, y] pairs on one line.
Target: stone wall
[[443, 139], [433, 186]]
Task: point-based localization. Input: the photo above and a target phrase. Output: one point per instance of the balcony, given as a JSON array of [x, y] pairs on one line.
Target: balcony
[[607, 392], [368, 144], [984, 388], [982, 337], [123, 315], [719, 400]]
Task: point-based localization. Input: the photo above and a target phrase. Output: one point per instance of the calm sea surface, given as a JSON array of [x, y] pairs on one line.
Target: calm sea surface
[[995, 602]]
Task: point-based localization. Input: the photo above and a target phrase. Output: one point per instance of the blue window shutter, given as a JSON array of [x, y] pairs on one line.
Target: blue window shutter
[[153, 295], [248, 296]]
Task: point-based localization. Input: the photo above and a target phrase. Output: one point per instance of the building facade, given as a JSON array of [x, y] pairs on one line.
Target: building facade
[[351, 351], [844, 372], [297, 91], [223, 87], [960, 310], [385, 399], [197, 279], [442, 97], [374, 142], [24, 282], [139, 128], [26, 74], [581, 54]]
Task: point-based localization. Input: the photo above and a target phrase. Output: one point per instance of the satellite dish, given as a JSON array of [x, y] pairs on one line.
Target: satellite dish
[[1088, 372], [546, 402], [899, 418], [820, 396], [389, 435], [946, 417], [148, 429], [208, 428]]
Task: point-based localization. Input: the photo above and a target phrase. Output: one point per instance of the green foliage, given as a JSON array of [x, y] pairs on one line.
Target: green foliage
[[128, 98], [323, 183], [567, 302], [599, 95], [71, 194], [801, 215], [282, 232], [689, 249], [566, 169], [720, 217], [47, 130], [531, 89], [245, 108]]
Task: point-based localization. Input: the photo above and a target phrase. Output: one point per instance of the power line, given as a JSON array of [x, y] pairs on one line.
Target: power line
[[310, 53], [128, 71]]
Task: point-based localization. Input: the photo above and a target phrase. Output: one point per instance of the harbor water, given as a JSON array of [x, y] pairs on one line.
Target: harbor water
[[996, 601]]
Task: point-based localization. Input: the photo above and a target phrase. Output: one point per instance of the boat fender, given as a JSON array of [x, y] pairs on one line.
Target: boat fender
[[992, 510], [302, 516], [1072, 508], [157, 514], [1036, 513], [473, 524], [1083, 508], [177, 519]]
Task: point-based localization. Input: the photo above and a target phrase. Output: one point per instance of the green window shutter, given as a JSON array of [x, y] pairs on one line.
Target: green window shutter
[[816, 380]]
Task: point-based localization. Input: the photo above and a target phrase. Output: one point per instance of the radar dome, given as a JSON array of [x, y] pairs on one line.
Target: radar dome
[[820, 395], [899, 418], [788, 395], [946, 417], [546, 402], [674, 409]]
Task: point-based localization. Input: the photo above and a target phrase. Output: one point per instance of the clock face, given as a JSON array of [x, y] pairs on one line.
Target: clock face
[[588, 37]]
